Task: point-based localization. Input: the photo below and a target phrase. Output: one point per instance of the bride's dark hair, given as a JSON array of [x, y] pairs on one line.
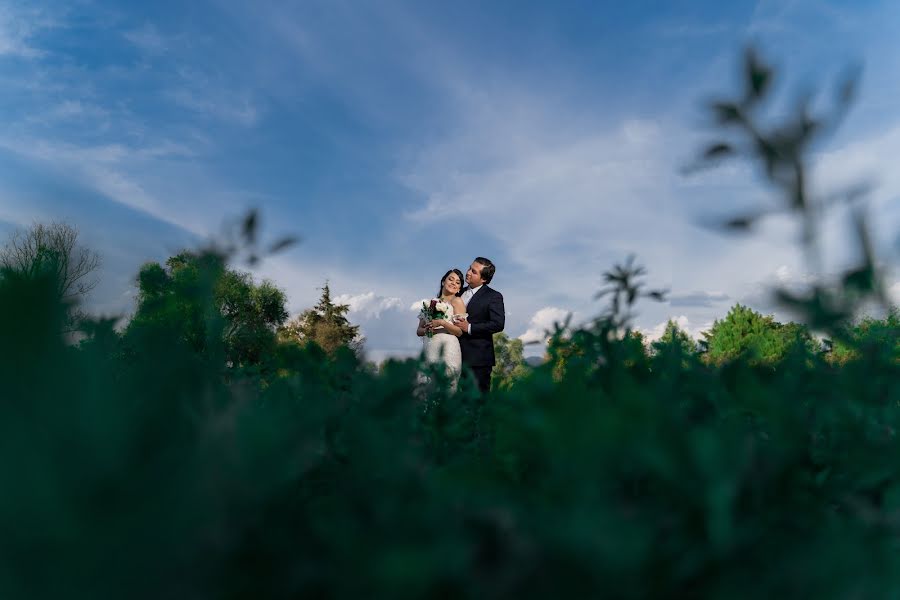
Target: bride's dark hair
[[444, 278]]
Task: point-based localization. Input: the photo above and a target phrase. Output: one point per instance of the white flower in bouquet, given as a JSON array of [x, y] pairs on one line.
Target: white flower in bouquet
[[444, 309], [434, 309]]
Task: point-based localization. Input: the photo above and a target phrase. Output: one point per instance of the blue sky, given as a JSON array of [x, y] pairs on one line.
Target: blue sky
[[399, 139]]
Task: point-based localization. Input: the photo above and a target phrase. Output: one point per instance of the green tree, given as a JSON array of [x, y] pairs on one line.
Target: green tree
[[674, 338], [762, 339], [511, 365], [197, 297], [252, 313], [675, 348], [52, 248], [325, 324], [634, 348], [877, 338]]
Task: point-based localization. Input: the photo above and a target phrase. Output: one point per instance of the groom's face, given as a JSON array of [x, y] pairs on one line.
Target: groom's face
[[473, 275]]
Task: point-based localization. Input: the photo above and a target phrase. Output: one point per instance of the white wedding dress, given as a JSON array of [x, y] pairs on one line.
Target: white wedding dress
[[444, 347]]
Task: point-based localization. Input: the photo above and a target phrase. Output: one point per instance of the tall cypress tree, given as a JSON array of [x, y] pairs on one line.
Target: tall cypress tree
[[326, 324]]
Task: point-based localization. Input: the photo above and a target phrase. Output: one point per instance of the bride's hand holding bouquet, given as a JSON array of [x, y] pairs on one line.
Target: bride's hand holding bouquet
[[435, 314]]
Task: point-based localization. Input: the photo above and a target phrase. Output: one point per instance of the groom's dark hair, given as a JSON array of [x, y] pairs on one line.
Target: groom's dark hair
[[487, 268]]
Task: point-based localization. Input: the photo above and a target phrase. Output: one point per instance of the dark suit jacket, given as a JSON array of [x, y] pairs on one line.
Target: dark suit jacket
[[487, 317]]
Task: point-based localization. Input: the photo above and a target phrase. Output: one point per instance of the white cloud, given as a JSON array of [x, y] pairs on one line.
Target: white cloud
[[368, 304], [684, 323], [894, 294], [543, 321], [867, 160], [549, 199], [18, 27], [787, 276]]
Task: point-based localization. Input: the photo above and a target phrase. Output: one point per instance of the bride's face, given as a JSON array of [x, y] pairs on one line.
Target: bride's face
[[452, 284]]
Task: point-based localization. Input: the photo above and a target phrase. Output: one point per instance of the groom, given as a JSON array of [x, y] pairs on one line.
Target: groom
[[486, 317]]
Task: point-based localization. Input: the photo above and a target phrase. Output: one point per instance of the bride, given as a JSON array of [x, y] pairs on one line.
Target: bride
[[443, 345]]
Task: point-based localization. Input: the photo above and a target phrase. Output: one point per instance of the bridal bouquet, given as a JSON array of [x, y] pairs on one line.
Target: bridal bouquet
[[434, 309]]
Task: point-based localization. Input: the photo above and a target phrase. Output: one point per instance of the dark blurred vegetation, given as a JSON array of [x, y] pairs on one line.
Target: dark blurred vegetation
[[204, 452]]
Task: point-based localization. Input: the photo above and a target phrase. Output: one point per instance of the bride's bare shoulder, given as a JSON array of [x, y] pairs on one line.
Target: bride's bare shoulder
[[458, 305]]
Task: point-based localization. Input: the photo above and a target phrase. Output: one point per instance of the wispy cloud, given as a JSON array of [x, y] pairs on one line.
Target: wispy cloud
[[122, 174], [69, 110], [543, 322], [698, 299], [539, 189], [18, 26], [148, 39], [369, 304], [233, 107]]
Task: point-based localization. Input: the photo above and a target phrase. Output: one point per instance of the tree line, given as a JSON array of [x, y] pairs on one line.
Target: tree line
[[257, 325]]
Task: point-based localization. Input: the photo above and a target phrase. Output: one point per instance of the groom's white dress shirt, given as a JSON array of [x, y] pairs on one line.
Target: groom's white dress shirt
[[467, 295]]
